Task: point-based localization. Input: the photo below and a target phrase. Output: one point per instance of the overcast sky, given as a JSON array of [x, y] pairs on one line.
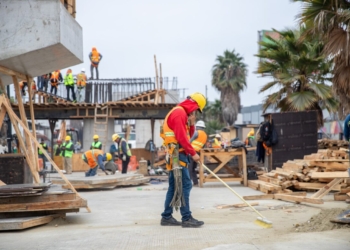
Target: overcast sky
[[185, 35]]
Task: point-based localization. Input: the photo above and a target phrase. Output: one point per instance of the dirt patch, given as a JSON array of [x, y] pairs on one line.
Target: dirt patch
[[321, 221]]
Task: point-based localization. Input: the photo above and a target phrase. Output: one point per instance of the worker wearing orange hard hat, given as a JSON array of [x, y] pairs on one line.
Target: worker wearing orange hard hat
[[95, 58]]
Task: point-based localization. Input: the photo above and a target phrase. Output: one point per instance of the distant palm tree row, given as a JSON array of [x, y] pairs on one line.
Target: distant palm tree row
[[308, 68]]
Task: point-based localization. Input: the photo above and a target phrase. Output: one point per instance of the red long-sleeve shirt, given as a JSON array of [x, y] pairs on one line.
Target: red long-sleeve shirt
[[177, 121]]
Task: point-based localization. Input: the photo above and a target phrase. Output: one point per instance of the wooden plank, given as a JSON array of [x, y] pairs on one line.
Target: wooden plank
[[327, 188], [237, 205], [317, 175], [314, 186], [24, 222], [259, 197], [2, 183], [43, 206], [297, 199], [12, 73], [340, 197]]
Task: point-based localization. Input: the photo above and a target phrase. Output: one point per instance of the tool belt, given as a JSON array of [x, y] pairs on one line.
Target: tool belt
[[172, 158]]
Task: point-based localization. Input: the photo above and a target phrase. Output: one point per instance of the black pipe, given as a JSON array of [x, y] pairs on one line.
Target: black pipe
[[9, 126]]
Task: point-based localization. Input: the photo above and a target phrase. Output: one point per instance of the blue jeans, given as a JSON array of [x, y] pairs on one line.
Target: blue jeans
[[91, 172], [186, 188]]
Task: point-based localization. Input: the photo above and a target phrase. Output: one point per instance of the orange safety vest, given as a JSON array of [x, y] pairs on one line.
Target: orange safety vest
[[169, 137], [95, 57], [54, 78], [200, 141], [167, 133], [81, 80], [91, 155]]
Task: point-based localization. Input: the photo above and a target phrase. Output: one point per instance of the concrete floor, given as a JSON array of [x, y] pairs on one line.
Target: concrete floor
[[129, 218]]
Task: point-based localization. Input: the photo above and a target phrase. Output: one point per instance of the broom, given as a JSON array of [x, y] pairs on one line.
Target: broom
[[261, 220]]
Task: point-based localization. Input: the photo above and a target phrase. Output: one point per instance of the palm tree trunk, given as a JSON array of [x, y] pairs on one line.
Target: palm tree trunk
[[231, 102]]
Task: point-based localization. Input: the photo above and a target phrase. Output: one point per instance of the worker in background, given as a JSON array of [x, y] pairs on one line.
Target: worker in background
[[67, 150], [95, 58], [57, 148], [178, 126], [96, 144], [217, 141], [95, 158], [22, 86], [41, 154], [124, 151], [34, 88], [250, 140], [198, 141], [113, 150], [69, 83], [55, 79], [81, 83]]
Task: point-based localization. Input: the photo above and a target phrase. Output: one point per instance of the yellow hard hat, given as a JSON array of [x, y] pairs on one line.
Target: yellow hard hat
[[95, 137], [68, 138], [115, 137], [108, 156], [199, 99]]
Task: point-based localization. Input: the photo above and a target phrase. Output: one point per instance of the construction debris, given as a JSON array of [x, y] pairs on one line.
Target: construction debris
[[103, 181], [324, 171]]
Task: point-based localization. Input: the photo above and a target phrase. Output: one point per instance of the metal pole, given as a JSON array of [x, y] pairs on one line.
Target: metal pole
[[9, 126]]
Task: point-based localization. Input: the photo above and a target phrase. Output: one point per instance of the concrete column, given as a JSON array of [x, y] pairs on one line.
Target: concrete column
[[88, 131]]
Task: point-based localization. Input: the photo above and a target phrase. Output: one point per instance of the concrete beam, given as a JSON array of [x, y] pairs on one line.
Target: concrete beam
[[37, 37], [61, 113]]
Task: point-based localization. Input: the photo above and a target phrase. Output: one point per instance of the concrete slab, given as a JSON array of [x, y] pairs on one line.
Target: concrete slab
[[37, 37], [129, 218]]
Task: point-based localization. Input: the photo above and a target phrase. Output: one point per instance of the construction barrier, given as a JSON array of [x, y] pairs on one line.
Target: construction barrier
[[133, 164]]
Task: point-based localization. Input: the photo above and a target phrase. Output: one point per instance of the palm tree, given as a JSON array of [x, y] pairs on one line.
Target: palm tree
[[299, 73], [229, 77], [329, 20], [215, 111]]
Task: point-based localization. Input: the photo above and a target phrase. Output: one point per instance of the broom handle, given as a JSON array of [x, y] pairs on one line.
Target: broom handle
[[233, 191]]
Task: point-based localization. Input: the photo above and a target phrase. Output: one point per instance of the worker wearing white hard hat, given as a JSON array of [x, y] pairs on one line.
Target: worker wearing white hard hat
[[198, 141]]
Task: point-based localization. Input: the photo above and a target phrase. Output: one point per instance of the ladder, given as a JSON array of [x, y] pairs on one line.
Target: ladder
[[101, 124]]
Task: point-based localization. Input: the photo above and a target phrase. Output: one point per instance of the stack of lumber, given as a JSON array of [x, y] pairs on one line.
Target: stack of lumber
[[26, 206], [324, 171], [17, 190], [103, 181], [332, 144]]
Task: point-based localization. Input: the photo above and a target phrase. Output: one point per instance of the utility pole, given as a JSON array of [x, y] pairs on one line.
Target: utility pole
[[206, 91]]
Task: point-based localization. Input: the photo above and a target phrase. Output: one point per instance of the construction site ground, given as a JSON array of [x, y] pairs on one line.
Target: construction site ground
[[129, 218]]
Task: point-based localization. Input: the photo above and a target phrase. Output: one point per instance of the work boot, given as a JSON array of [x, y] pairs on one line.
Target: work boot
[[170, 222], [192, 222]]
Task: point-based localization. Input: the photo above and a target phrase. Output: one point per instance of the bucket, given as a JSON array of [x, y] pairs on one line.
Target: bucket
[[133, 164], [40, 164]]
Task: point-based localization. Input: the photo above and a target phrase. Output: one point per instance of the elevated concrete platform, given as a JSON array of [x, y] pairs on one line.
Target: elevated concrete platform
[[37, 37]]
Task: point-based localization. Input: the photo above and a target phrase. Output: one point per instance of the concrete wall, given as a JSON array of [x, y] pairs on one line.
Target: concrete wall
[[37, 37], [89, 133]]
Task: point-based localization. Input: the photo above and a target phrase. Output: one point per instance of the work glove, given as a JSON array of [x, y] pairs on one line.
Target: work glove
[[124, 158]]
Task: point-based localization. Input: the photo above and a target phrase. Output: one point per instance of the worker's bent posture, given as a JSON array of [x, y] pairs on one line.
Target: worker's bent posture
[[198, 140], [176, 135], [95, 158], [124, 152]]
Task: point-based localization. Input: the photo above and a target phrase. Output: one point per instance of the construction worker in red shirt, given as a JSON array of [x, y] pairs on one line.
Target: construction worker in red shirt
[[176, 131], [95, 58], [198, 141]]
